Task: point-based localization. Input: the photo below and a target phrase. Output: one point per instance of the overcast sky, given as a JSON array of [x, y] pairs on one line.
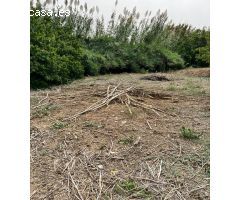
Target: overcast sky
[[195, 12]]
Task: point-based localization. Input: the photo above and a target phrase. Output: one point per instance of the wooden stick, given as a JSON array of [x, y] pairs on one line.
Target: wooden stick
[[149, 125], [75, 186], [100, 185], [198, 188], [43, 99], [160, 170], [129, 109]]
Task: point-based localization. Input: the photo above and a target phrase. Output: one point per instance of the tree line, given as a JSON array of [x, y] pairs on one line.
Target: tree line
[[83, 43]]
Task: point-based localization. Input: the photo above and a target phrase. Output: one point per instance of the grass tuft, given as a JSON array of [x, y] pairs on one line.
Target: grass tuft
[[59, 125], [92, 124], [189, 134], [126, 141], [44, 111], [130, 187]]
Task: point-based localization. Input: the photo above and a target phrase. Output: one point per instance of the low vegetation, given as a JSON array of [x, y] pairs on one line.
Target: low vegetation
[[43, 111], [188, 133], [126, 141], [130, 187], [59, 125]]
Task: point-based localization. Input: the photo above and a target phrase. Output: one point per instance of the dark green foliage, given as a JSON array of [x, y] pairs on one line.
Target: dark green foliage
[[203, 55], [54, 58], [192, 44], [78, 45]]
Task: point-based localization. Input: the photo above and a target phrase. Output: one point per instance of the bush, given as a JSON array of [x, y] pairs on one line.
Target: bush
[[92, 62], [54, 60], [173, 60], [48, 68], [203, 56]]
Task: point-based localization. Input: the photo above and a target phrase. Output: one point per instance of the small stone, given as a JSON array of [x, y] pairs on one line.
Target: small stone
[[124, 122], [100, 167]]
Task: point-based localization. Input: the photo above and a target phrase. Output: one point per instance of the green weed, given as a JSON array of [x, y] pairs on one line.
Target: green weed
[[92, 124], [44, 111], [59, 125], [187, 133], [126, 141], [130, 187]]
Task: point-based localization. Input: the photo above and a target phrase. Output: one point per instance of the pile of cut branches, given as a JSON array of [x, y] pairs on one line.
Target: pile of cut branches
[[119, 95], [155, 78]]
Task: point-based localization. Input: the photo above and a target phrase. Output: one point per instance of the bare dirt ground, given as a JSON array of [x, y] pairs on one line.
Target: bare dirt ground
[[122, 151]]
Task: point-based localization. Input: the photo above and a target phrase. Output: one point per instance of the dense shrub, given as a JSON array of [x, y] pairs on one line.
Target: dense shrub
[[190, 43], [52, 61], [203, 56], [70, 47], [173, 60]]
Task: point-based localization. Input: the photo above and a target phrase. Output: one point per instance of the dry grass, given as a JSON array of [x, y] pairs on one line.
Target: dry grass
[[111, 153]]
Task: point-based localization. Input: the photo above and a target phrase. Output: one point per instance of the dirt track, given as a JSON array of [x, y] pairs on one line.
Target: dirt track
[[114, 154]]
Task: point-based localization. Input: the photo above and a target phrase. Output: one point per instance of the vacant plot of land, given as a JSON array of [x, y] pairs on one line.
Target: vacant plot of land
[[121, 150]]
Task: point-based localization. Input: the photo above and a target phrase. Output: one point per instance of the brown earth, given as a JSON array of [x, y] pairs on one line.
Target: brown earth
[[113, 153], [198, 72]]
